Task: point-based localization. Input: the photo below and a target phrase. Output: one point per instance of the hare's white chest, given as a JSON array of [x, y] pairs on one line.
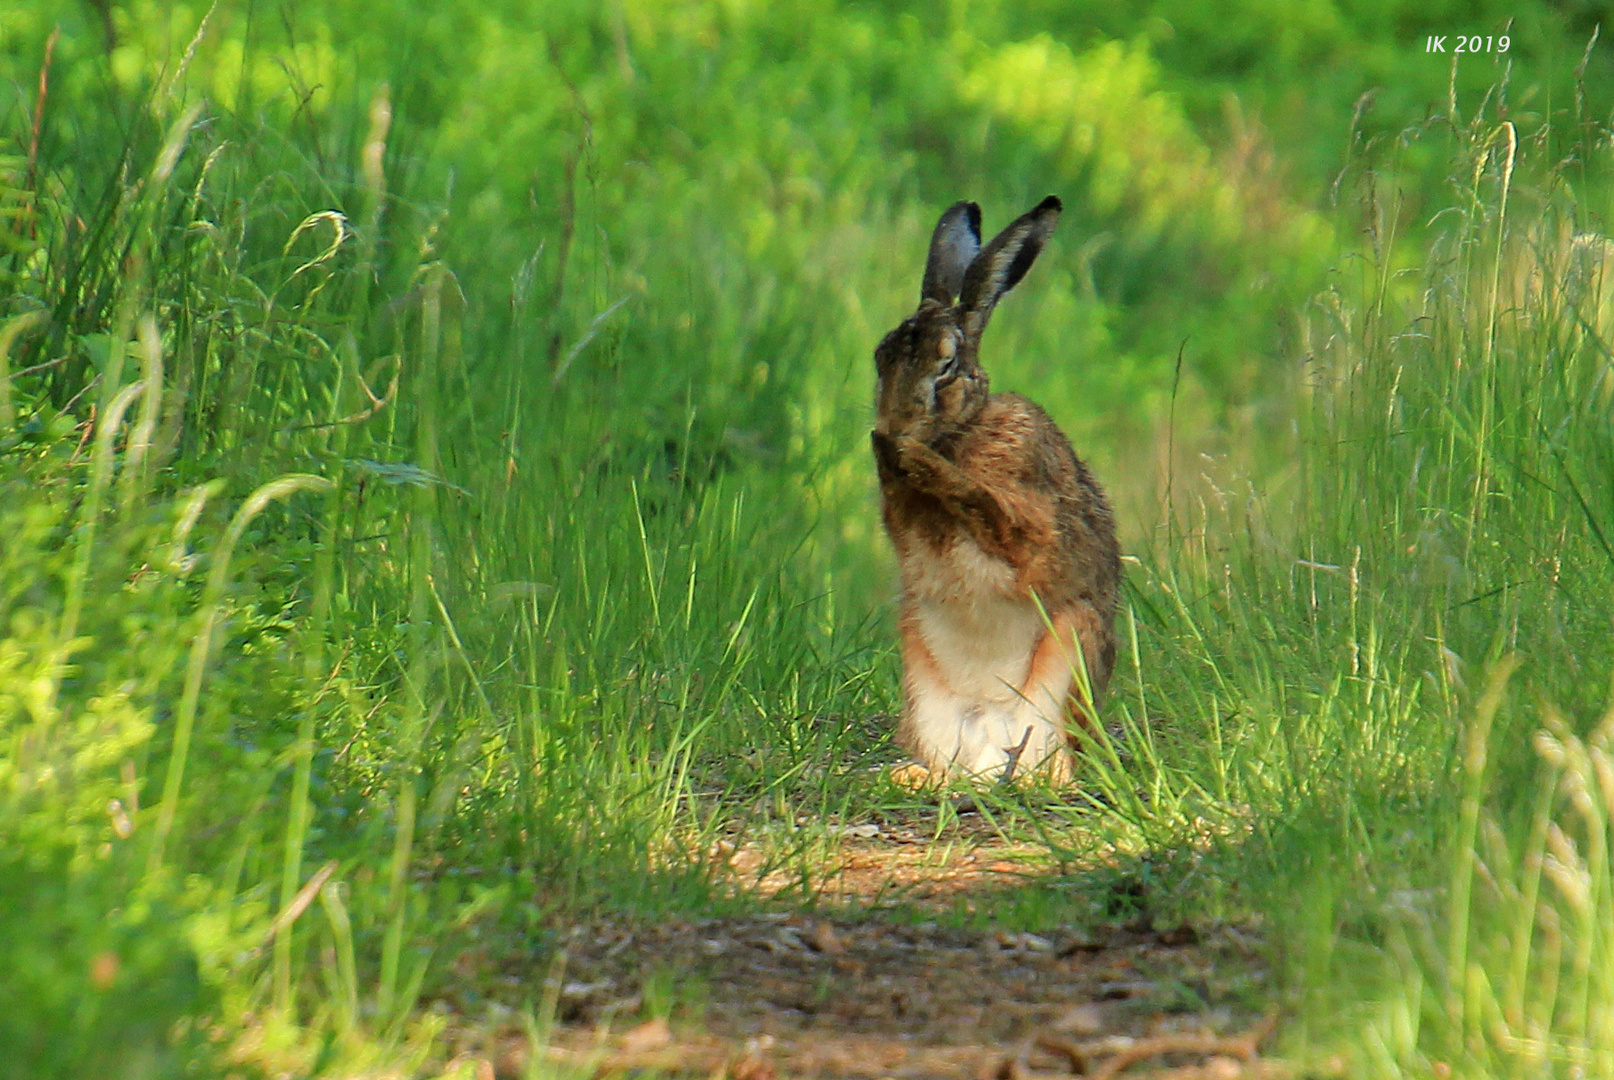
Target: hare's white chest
[[975, 625]]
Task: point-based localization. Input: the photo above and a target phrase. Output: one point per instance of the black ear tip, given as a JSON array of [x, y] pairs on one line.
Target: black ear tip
[[1050, 203]]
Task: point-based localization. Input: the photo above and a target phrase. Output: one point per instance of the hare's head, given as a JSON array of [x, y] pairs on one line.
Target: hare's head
[[931, 382]]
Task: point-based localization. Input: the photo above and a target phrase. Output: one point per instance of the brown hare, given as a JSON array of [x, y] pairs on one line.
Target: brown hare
[[1005, 540]]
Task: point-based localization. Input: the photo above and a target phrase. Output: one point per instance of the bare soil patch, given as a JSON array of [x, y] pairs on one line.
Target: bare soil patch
[[868, 985]]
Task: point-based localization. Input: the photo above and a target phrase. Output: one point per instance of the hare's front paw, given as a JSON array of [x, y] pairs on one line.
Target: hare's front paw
[[921, 462], [886, 458], [913, 776]]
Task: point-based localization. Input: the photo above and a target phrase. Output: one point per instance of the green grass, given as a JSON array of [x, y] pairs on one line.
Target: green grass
[[1384, 639], [412, 539]]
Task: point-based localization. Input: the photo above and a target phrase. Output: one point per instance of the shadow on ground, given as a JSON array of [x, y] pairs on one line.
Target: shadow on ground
[[898, 969]]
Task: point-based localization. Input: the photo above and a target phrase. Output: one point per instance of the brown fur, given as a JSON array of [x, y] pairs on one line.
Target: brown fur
[[960, 464]]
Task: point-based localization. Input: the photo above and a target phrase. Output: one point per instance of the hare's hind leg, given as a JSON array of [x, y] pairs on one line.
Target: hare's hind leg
[[1060, 685], [922, 683]]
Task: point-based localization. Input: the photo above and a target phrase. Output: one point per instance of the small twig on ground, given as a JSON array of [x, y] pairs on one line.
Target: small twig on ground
[[1012, 1068], [1061, 1047], [1243, 1047], [1014, 753]]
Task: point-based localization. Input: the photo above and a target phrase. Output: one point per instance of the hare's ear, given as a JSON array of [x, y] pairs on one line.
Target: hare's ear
[[1002, 264], [953, 246]]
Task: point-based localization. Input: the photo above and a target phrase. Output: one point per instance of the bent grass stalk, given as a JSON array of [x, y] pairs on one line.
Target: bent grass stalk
[[1482, 438], [345, 991], [202, 645], [136, 464], [13, 329], [107, 422], [391, 1005], [298, 811], [112, 389], [1476, 742]]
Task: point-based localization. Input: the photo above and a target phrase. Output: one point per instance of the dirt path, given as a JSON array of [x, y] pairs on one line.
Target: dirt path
[[885, 991]]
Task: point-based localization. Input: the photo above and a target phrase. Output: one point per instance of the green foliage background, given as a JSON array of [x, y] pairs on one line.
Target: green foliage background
[[572, 304]]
